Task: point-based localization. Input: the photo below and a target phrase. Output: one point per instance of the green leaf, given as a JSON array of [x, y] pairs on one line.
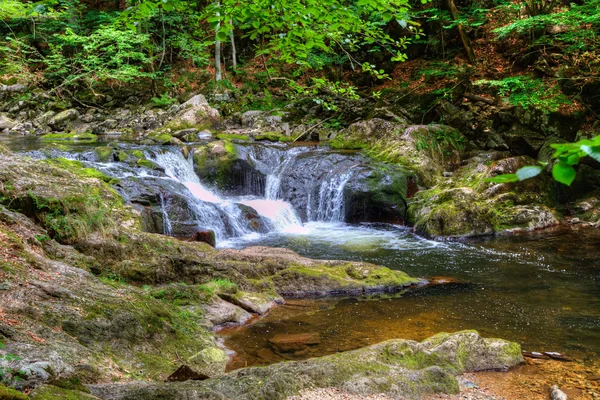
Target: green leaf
[[564, 173], [592, 151], [222, 36], [528, 172], [505, 178]]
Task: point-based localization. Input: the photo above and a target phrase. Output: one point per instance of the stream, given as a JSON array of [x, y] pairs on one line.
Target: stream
[[540, 289]]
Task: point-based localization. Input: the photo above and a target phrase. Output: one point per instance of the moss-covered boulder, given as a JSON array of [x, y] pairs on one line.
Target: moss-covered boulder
[[465, 205], [428, 150], [69, 200], [398, 368]]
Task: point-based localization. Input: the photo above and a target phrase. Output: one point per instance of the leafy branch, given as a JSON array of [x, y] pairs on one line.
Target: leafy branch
[[567, 156]]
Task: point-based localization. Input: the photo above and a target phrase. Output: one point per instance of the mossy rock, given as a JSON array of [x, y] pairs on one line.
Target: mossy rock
[[7, 393], [232, 136], [69, 200], [79, 137], [273, 137], [104, 153], [398, 368], [50, 392]]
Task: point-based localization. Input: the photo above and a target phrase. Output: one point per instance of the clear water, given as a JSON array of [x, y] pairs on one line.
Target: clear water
[[541, 290]]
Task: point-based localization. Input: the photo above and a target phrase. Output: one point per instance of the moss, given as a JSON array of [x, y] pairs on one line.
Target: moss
[[274, 137], [145, 163], [104, 153], [340, 142], [162, 138], [11, 394], [80, 137], [137, 154], [72, 383], [232, 136], [79, 169], [48, 392]]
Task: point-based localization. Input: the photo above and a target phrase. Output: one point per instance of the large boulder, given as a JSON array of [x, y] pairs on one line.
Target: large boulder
[[196, 112], [465, 205], [61, 120], [399, 368], [428, 150], [6, 123]]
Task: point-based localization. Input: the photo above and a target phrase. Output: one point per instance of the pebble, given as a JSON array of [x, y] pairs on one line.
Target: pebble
[[557, 394]]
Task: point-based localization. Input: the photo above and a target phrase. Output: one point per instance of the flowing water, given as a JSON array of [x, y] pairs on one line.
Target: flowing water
[[541, 290]]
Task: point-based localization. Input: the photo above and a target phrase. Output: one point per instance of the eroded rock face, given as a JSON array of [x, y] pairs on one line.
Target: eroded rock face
[[399, 368]]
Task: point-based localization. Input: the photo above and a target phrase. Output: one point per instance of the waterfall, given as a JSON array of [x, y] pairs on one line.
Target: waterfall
[[331, 198], [167, 227], [280, 214], [274, 163], [211, 211]]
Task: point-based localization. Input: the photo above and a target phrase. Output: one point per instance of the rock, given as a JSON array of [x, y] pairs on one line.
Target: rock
[[293, 342], [557, 394], [211, 361], [180, 134], [221, 312], [207, 236], [253, 302], [398, 368], [60, 120], [196, 111], [465, 205], [6, 123], [185, 373], [218, 150], [51, 392]]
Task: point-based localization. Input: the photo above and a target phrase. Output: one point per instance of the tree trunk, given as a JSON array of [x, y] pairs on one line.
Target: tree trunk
[[218, 72], [463, 34], [233, 50]]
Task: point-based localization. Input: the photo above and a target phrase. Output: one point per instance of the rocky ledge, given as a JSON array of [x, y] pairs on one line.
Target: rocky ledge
[[398, 368]]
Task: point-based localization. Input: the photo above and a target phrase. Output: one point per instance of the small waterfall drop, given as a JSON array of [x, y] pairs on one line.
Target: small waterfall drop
[[223, 216], [167, 227], [331, 198]]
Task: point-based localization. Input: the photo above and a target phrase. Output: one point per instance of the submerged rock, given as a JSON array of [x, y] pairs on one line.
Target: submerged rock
[[399, 368], [294, 342]]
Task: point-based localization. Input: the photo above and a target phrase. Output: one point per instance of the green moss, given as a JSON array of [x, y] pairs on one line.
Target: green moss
[[162, 138], [143, 162], [232, 136], [11, 394], [72, 383], [104, 153], [137, 154], [79, 169], [274, 137], [48, 392], [340, 142], [80, 137]]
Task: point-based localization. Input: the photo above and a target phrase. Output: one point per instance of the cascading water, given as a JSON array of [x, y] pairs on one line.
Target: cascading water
[[331, 199], [324, 200], [167, 227], [223, 216]]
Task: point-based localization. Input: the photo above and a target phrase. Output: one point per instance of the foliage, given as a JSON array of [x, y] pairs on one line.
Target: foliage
[[8, 358], [108, 55], [567, 155], [527, 92], [163, 100]]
